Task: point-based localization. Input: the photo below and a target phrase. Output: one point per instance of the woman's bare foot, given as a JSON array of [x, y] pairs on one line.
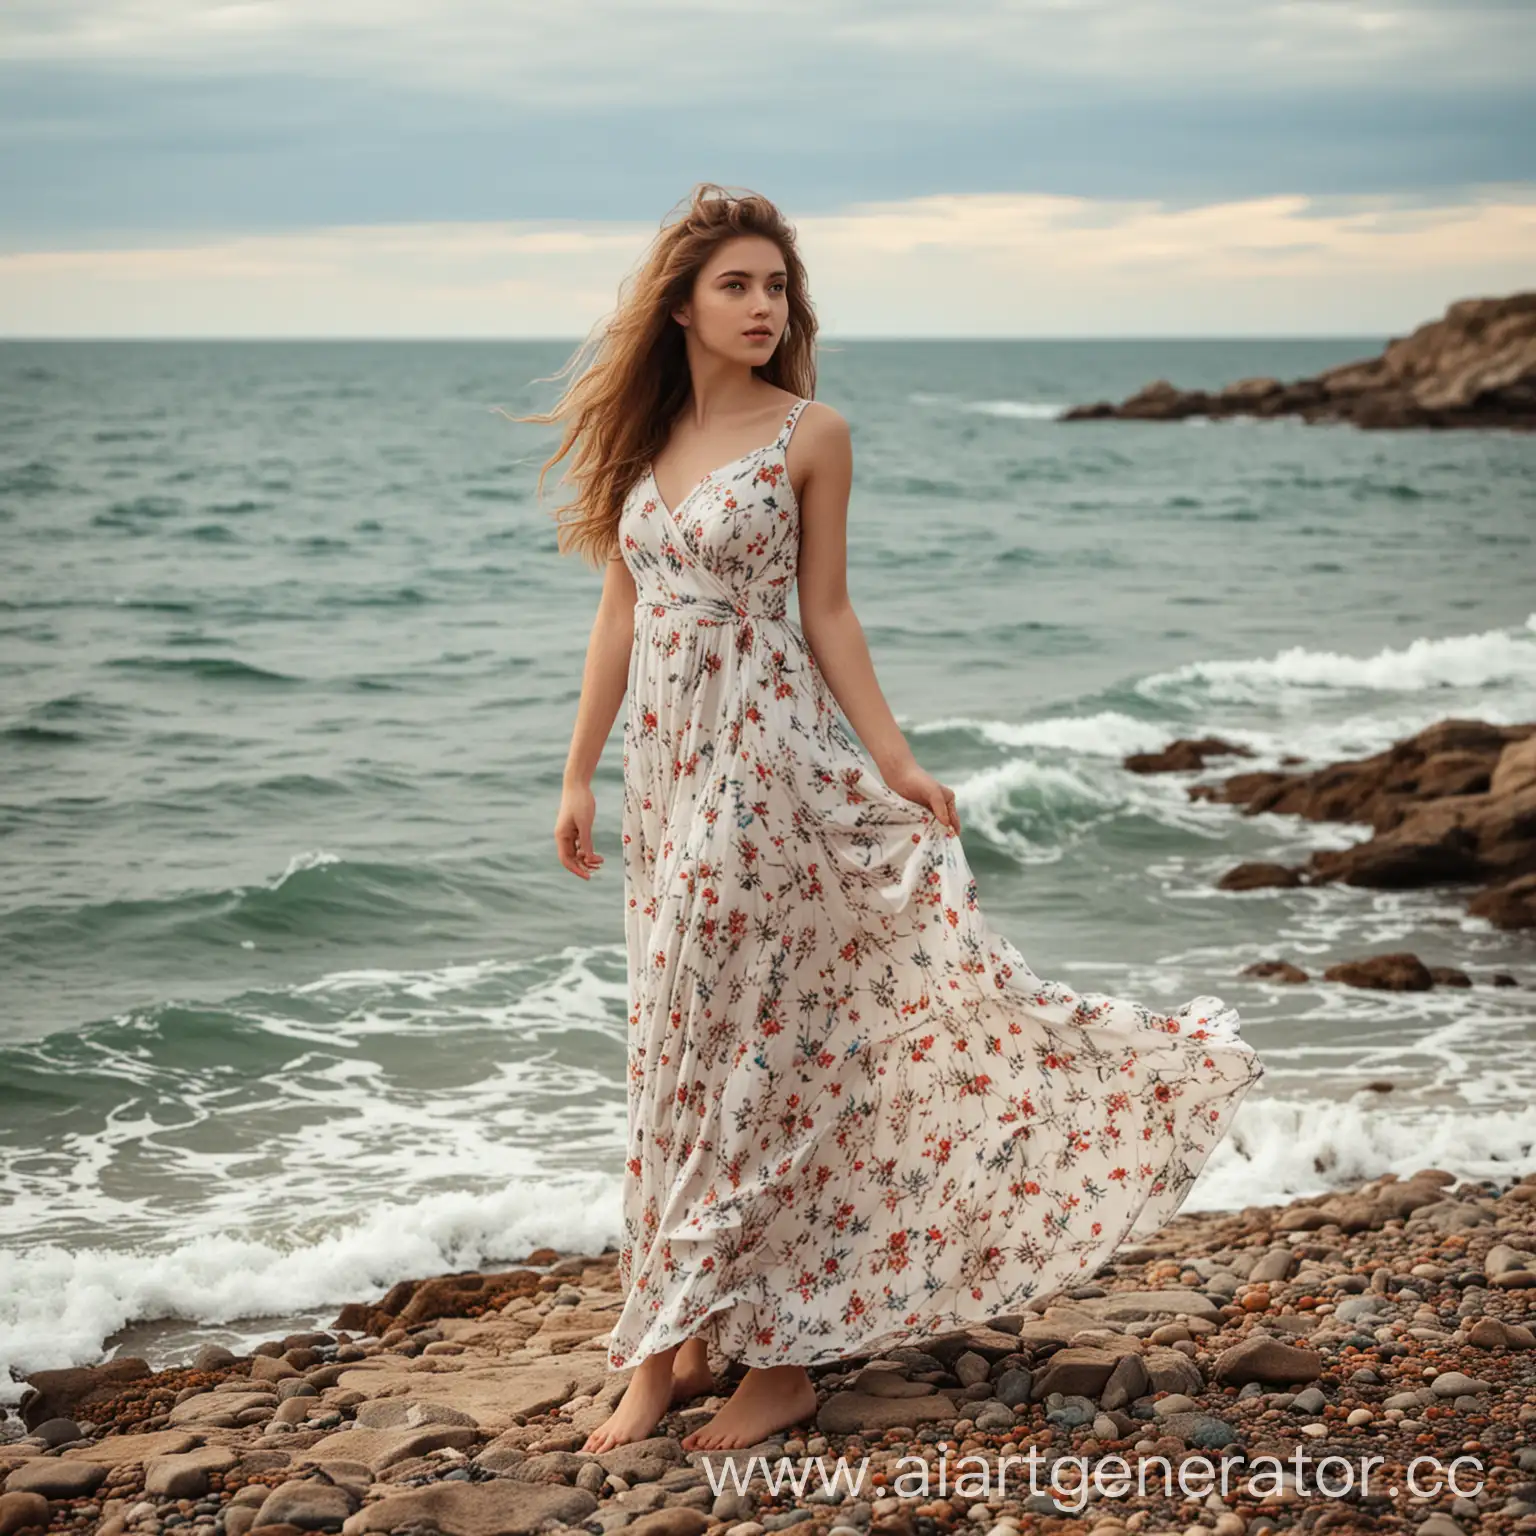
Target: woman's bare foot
[[770, 1398], [691, 1375], [646, 1398]]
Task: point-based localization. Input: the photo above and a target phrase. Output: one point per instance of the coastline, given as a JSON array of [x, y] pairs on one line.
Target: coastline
[[1391, 1319]]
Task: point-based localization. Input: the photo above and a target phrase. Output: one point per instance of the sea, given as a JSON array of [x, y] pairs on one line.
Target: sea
[[296, 999]]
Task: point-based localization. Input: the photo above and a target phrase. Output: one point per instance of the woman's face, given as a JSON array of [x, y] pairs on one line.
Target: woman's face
[[740, 301]]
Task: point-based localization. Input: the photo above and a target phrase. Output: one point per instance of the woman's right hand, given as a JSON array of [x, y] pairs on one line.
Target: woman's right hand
[[573, 830]]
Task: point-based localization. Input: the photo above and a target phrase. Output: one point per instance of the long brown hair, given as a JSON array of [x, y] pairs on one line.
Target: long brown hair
[[619, 408]]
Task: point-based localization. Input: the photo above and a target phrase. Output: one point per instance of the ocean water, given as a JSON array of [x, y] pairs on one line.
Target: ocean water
[[296, 999]]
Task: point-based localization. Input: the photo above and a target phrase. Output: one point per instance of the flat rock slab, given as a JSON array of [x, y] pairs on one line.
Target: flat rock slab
[[381, 1448], [218, 1407], [408, 1413], [491, 1393], [132, 1450], [847, 1412], [1138, 1306], [499, 1508], [185, 1475], [55, 1478]]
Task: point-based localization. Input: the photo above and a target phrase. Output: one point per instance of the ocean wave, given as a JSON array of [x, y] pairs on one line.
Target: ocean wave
[[1035, 810], [1495, 656], [1106, 733], [1017, 410], [1280, 1149], [59, 1306]]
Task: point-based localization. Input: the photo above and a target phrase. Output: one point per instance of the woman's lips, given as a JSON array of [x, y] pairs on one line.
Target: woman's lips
[[763, 335]]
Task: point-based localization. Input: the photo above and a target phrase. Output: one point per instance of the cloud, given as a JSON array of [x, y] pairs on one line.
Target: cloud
[[951, 264], [346, 159], [717, 51]]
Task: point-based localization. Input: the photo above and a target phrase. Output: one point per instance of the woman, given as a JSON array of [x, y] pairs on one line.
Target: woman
[[856, 1117]]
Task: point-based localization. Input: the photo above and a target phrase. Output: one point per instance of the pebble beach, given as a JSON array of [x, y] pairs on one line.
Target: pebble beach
[[1391, 1321]]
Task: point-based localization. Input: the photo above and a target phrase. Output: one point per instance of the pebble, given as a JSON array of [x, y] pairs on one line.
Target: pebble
[[1349, 1324]]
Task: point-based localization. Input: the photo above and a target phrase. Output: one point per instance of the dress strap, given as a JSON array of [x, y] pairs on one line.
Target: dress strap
[[787, 430]]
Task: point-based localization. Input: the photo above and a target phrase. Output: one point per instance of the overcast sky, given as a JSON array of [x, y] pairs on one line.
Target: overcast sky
[[953, 167]]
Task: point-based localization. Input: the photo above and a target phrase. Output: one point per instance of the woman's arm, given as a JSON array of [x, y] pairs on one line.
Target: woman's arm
[[603, 681], [827, 618]]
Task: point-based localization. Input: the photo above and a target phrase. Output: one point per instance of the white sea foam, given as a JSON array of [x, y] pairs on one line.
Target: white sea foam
[[1493, 657], [1017, 410], [58, 1306], [1281, 1148], [1105, 734], [1013, 410]]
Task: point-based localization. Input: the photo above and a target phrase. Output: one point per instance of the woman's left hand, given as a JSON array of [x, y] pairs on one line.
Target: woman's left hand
[[913, 782]]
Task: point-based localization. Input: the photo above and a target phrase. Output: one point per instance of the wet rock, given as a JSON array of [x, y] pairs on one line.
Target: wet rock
[[1455, 802], [1510, 905], [1402, 972], [1276, 970], [1185, 755], [1258, 875], [1449, 976]]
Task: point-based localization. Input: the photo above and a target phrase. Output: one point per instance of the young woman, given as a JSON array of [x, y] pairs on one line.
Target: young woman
[[856, 1116]]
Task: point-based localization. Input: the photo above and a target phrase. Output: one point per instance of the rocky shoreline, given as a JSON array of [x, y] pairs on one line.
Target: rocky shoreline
[[1391, 1321], [1473, 367], [1453, 804]]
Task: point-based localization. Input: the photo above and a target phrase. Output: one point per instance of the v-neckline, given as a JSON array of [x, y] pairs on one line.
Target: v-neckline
[[709, 475]]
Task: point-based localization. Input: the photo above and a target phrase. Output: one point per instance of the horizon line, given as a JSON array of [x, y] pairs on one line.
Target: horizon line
[[835, 340]]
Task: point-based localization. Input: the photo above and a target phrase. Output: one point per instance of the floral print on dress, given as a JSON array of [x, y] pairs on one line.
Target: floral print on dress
[[856, 1117]]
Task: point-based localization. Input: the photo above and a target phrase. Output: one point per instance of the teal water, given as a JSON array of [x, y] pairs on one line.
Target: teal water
[[296, 998]]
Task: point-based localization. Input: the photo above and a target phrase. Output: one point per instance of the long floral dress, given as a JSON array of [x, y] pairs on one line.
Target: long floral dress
[[856, 1116]]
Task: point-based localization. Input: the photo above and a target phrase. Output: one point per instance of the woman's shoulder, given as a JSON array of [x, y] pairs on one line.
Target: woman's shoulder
[[817, 417], [822, 429]]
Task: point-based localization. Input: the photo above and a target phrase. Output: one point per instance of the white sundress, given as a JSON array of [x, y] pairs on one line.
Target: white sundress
[[856, 1116]]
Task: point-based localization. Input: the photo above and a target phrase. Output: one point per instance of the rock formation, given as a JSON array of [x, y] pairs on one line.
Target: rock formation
[[1474, 367], [1453, 804]]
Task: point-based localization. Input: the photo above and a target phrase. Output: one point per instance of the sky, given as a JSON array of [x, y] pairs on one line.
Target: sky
[[496, 168]]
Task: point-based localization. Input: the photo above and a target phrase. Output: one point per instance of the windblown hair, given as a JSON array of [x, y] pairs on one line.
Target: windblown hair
[[619, 409]]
